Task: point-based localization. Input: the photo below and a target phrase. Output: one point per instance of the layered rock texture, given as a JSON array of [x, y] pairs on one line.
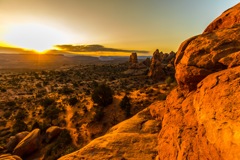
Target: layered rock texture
[[134, 138], [201, 117]]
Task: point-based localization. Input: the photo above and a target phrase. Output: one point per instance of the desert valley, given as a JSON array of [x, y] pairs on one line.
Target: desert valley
[[163, 106]]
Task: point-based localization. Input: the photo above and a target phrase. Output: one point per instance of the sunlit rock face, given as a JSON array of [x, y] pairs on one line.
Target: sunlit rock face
[[228, 19], [209, 52], [201, 117], [134, 138]]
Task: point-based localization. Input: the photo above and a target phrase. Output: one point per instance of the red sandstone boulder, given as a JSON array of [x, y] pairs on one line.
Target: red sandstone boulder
[[29, 144], [14, 140], [202, 55], [228, 19], [201, 117], [52, 132]]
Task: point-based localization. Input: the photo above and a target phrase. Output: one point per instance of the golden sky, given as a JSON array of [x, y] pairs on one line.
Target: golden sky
[[109, 25]]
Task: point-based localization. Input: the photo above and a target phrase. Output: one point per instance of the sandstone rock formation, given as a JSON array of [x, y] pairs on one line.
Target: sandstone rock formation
[[134, 138], [147, 62], [52, 132], [29, 144], [9, 157], [202, 55], [156, 68], [227, 20], [14, 140], [133, 58], [201, 117], [136, 68]]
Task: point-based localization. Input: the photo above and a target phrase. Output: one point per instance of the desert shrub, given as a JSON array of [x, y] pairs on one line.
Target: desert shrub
[[19, 126], [51, 112], [126, 105], [169, 80], [3, 89], [99, 114], [102, 95], [72, 101], [125, 102], [66, 90], [35, 125], [21, 114], [61, 146], [11, 103], [94, 84], [47, 102], [7, 114], [162, 97]]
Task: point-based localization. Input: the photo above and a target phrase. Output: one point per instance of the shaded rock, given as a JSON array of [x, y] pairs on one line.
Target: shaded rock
[[169, 58], [29, 144], [231, 60], [156, 69], [134, 138], [52, 132], [133, 58], [14, 140], [9, 157], [147, 62], [227, 20]]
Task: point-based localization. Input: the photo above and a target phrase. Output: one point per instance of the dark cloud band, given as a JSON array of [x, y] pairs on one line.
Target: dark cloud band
[[93, 48]]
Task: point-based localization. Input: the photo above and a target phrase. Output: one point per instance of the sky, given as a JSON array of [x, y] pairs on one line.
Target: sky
[[116, 26]]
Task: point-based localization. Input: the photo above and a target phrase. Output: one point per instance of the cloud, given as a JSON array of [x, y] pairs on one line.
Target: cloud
[[93, 48]]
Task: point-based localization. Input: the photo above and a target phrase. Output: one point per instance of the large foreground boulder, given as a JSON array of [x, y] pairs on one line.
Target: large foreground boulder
[[134, 138], [201, 117], [228, 19], [210, 52], [205, 123], [29, 144]]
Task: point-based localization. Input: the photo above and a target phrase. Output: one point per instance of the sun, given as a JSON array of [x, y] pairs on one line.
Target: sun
[[33, 36]]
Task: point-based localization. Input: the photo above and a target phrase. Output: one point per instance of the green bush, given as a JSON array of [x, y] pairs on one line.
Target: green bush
[[102, 95]]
